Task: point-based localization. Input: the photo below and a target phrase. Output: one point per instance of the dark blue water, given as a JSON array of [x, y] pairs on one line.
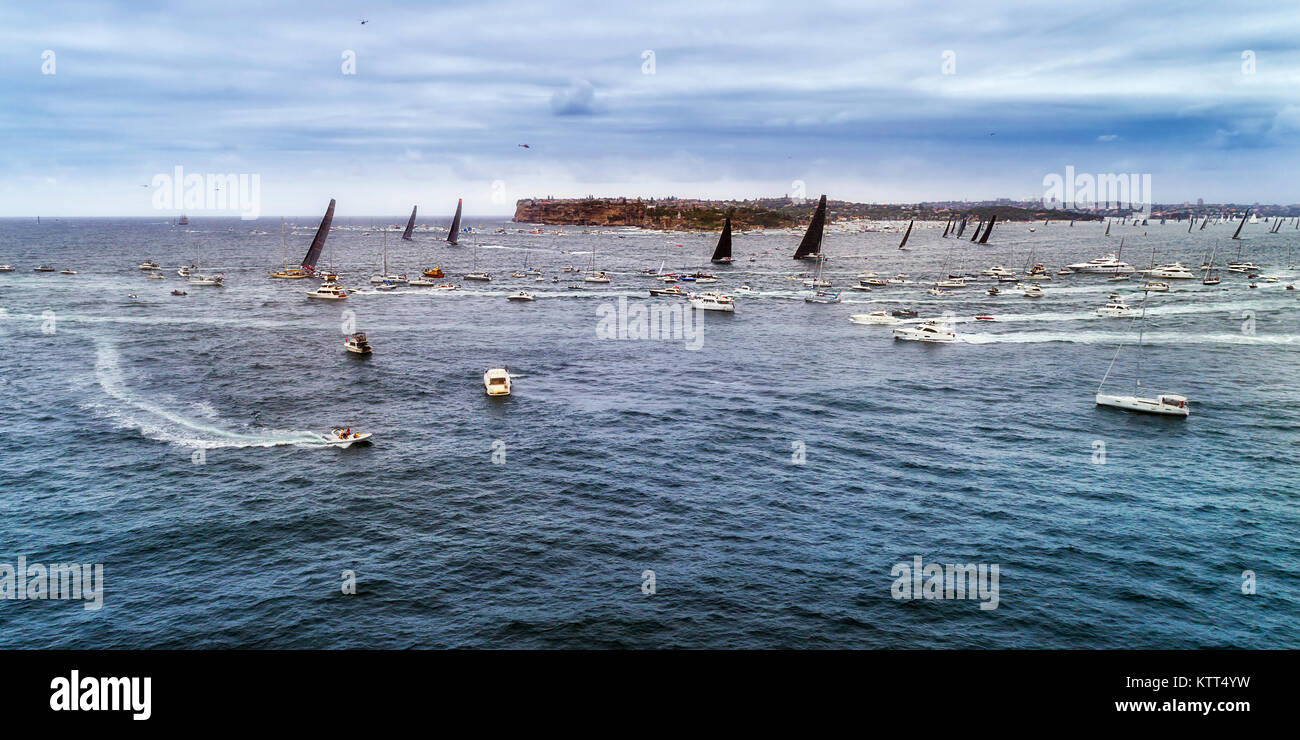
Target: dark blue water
[[627, 456]]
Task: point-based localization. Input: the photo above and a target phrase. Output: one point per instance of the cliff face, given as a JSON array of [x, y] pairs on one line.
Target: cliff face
[[680, 215]]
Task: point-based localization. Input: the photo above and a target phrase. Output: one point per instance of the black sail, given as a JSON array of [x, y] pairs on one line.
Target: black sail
[[812, 239], [946, 228], [723, 251], [975, 237], [1237, 233], [410, 225], [989, 230], [453, 234], [909, 233], [318, 244], [962, 228]]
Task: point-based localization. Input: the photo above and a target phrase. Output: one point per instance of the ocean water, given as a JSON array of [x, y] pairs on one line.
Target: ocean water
[[170, 439]]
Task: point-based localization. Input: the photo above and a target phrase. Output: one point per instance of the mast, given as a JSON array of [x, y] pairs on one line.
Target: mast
[[909, 233], [453, 234], [317, 244], [385, 252], [812, 239], [284, 251], [410, 225], [723, 250]]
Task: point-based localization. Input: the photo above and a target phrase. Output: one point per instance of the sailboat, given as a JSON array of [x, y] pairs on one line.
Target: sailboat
[[1237, 234], [384, 278], [822, 296], [903, 244], [722, 252], [286, 273], [1107, 227], [989, 230], [453, 233], [1167, 404], [810, 248], [975, 237], [1210, 278], [474, 274], [410, 226]]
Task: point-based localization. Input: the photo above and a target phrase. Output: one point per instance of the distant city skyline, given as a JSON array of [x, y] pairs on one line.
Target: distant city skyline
[[506, 100]]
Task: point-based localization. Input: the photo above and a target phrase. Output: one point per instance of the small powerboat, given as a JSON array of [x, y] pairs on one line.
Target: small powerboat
[[713, 302], [44, 268], [434, 272], [1115, 308], [1156, 286], [179, 292], [6, 268], [340, 437], [156, 276], [496, 381], [357, 343], [422, 283], [149, 265], [328, 292], [929, 331], [823, 296], [675, 290], [67, 272], [482, 277], [386, 285], [522, 295], [903, 313]]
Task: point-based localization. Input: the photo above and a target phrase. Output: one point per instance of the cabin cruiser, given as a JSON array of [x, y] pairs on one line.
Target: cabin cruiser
[[997, 271], [1156, 287], [345, 438], [1176, 271], [823, 296], [713, 302], [149, 265], [746, 289], [1109, 264], [598, 277], [357, 343], [44, 268], [328, 292], [1033, 291], [676, 290], [434, 272], [522, 295], [929, 331], [216, 280], [1167, 404], [875, 317], [496, 381], [482, 277], [1116, 308]]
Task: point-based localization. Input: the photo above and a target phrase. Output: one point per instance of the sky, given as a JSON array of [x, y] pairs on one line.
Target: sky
[[881, 102]]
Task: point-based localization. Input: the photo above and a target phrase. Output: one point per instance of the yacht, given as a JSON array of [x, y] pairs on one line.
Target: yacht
[[1119, 278], [1176, 271], [149, 265], [951, 282], [598, 277], [482, 277], [6, 268], [156, 276], [421, 283], [1111, 263], [496, 381], [68, 272], [44, 268], [1116, 308], [875, 317], [214, 280], [1167, 404], [675, 290], [522, 295], [357, 343], [713, 302], [1033, 291], [929, 331], [997, 271], [328, 292], [817, 283], [1156, 286], [386, 285]]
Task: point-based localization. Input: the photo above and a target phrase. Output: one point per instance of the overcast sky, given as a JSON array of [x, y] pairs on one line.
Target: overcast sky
[[745, 98]]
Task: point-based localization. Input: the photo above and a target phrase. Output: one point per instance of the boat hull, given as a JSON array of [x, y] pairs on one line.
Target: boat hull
[[1141, 405]]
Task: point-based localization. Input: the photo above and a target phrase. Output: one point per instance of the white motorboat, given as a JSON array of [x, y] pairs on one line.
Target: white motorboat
[[1156, 286], [328, 292], [214, 280], [185, 271], [951, 282], [149, 265], [422, 283], [1119, 278], [861, 288], [675, 290], [997, 271], [1176, 271], [156, 276], [496, 381], [939, 292], [386, 286], [522, 295], [1111, 263], [1167, 404], [394, 279], [746, 290], [1033, 291], [1117, 309], [44, 268], [866, 275], [446, 286], [345, 438], [357, 343], [816, 283], [875, 317], [6, 268], [713, 302], [67, 272], [928, 331]]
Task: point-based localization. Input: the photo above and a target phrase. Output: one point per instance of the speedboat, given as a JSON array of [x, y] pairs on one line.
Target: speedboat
[[67, 272], [156, 276], [149, 265], [6, 268], [937, 291], [1167, 404], [44, 268], [482, 277], [713, 302], [929, 331], [328, 292], [522, 295], [1033, 291], [876, 282], [861, 287], [357, 343], [345, 437], [746, 289], [1156, 287], [446, 286], [496, 381], [434, 272], [215, 280], [997, 271], [386, 285], [1062, 271], [875, 317], [1109, 264], [598, 277], [676, 290], [823, 296], [1116, 308]]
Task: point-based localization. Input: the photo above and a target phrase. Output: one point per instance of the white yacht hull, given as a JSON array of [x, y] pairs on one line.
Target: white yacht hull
[[1142, 405]]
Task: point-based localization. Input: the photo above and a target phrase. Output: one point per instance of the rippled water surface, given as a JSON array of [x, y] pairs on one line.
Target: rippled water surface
[[169, 439]]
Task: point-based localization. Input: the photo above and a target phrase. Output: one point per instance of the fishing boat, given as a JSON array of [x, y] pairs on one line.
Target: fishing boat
[[410, 226], [722, 252], [928, 331], [522, 295], [328, 292], [875, 317], [496, 381], [357, 343], [713, 302], [810, 248], [1166, 404], [453, 233]]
